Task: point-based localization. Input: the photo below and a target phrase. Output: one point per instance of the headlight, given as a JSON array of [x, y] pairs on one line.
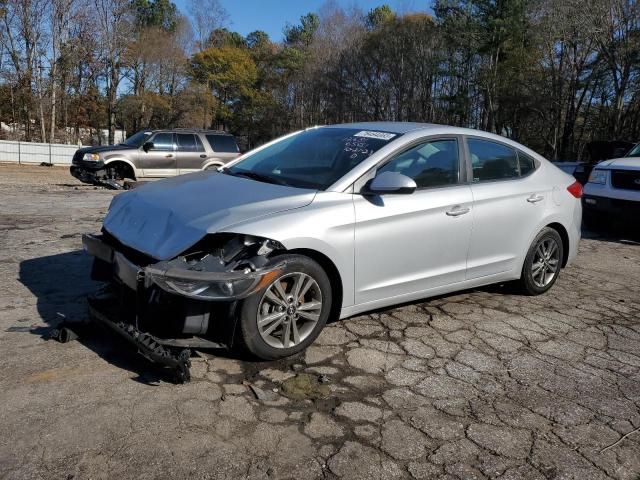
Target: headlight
[[211, 285], [91, 157], [598, 176]]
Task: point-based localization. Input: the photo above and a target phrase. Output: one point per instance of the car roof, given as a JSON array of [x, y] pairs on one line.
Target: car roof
[[392, 127], [406, 127]]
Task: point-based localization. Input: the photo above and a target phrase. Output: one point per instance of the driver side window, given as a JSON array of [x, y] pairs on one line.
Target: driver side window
[[163, 142], [431, 164]]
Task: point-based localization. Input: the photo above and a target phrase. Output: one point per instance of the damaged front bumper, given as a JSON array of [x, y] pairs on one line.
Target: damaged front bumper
[[207, 279], [166, 308], [98, 177]]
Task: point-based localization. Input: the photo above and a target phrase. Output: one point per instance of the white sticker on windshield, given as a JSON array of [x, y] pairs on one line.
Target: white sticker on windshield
[[379, 135]]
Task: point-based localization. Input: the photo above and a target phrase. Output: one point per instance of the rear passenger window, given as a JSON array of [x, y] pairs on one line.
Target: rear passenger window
[[223, 143], [431, 164], [527, 164], [188, 142], [492, 161]]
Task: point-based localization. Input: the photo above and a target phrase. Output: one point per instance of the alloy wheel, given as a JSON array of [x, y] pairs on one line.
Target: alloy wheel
[[289, 310], [546, 261]]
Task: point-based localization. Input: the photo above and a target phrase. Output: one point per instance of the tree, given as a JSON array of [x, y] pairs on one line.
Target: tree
[[379, 16], [230, 73], [206, 16], [115, 29]]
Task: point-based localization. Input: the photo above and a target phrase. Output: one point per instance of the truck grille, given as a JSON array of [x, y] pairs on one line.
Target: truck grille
[[625, 179], [77, 157]]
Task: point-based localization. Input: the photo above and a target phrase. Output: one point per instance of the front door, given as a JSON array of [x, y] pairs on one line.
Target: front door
[[409, 243], [159, 161]]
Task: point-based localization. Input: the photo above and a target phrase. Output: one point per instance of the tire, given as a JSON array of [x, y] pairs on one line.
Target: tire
[[534, 281], [120, 171], [267, 307]]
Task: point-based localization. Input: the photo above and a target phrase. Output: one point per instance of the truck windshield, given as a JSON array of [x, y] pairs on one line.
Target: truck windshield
[[137, 139], [315, 158]]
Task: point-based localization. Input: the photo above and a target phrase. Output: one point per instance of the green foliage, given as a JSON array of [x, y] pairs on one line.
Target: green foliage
[[230, 73], [221, 37], [302, 35], [379, 16], [161, 14]]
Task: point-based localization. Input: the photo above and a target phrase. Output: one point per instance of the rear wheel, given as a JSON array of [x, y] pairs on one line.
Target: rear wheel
[[542, 263], [287, 315]]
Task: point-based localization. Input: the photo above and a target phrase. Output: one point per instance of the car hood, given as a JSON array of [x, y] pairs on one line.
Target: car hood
[[626, 163], [164, 218]]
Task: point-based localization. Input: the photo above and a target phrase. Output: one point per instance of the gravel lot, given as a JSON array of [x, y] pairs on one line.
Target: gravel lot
[[484, 384]]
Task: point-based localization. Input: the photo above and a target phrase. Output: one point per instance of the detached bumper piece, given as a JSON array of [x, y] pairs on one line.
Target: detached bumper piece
[[150, 347]]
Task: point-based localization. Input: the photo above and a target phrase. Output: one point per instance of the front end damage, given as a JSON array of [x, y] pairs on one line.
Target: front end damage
[[166, 308]]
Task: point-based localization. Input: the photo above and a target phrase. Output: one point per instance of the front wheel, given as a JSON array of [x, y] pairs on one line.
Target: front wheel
[[287, 315], [542, 263]]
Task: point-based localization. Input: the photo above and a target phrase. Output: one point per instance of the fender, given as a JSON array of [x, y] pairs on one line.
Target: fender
[[549, 219]]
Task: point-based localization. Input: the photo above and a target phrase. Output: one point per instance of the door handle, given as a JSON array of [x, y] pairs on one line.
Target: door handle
[[169, 155], [457, 211], [535, 198]]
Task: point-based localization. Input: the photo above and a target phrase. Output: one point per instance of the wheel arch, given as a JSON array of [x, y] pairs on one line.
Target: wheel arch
[[332, 272], [564, 235], [212, 162], [128, 163]]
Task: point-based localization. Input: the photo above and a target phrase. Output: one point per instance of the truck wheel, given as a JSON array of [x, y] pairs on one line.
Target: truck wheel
[[287, 315]]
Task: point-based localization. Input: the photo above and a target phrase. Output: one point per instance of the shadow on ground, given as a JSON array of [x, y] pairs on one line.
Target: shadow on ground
[[61, 284]]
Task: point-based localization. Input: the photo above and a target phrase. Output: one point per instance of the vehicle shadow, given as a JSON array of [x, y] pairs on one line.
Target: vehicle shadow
[[61, 284]]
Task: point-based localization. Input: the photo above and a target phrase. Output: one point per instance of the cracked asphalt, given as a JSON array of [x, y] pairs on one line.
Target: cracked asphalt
[[481, 384]]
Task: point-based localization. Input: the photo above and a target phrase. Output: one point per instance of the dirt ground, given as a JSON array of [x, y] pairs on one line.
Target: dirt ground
[[482, 384]]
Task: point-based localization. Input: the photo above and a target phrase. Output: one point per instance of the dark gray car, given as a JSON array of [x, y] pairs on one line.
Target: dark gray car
[[152, 154]]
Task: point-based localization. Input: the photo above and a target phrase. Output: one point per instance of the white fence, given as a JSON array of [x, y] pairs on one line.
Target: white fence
[[28, 152]]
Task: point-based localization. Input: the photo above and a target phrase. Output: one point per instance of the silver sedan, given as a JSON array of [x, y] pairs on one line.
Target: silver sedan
[[333, 221]]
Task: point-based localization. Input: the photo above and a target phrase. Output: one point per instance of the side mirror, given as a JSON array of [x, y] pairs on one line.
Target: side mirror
[[147, 146], [390, 182]]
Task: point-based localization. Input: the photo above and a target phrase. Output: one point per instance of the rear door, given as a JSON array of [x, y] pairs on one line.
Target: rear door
[[191, 154], [159, 161], [509, 202]]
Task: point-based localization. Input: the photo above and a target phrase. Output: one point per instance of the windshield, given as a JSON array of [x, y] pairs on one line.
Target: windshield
[[635, 151], [137, 139], [315, 158]]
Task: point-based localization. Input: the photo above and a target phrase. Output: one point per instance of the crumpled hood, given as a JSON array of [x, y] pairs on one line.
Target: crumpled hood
[[163, 218]]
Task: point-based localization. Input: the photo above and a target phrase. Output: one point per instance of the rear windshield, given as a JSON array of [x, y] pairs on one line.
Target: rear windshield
[[315, 158], [223, 143]]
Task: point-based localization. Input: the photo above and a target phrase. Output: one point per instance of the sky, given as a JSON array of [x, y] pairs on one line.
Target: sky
[[246, 16]]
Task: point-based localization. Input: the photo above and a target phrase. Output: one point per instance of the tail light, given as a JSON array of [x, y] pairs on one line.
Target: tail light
[[575, 189]]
